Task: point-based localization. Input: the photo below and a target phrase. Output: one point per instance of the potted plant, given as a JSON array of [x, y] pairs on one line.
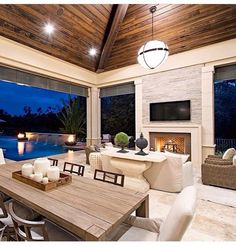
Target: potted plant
[[122, 140]]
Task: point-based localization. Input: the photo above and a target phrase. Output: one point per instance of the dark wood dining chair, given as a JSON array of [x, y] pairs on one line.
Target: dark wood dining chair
[[6, 221], [73, 168], [109, 177], [44, 230], [54, 161]]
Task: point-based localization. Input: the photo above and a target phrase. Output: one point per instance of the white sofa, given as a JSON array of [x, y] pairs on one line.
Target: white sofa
[[171, 175]]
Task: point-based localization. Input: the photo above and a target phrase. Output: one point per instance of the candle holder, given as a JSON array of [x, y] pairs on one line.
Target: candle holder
[[70, 141], [21, 137]]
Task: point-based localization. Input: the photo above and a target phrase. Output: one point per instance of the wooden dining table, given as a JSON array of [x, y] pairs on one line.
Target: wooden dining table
[[89, 208]]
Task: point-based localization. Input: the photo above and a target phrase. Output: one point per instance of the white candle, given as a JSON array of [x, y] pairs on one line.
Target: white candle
[[41, 165], [27, 169], [45, 180], [53, 173], [31, 176], [38, 177]]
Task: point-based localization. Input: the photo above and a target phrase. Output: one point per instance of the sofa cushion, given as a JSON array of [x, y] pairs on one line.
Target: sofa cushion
[[184, 157], [138, 234], [229, 154]]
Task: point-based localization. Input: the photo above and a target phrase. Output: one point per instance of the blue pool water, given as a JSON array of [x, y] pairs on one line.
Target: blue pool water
[[15, 150]]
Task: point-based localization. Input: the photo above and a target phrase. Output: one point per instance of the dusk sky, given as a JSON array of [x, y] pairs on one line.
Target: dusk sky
[[14, 97]]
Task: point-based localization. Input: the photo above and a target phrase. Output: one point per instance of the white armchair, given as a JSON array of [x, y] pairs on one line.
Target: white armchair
[[174, 226]]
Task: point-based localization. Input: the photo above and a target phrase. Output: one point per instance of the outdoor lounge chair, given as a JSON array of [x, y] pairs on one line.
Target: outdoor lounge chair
[[220, 171], [106, 138]]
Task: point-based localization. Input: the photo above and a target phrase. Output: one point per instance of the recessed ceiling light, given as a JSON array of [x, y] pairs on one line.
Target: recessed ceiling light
[[92, 52], [49, 28]]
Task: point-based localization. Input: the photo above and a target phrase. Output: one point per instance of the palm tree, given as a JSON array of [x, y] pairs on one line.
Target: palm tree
[[73, 117]]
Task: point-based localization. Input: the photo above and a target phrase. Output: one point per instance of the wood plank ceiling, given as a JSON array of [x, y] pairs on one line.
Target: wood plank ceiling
[[117, 32]]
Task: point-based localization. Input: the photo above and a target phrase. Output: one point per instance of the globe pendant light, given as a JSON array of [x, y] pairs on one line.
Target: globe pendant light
[[153, 53]]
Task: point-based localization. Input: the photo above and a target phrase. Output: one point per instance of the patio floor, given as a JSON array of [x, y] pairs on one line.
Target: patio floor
[[213, 221]]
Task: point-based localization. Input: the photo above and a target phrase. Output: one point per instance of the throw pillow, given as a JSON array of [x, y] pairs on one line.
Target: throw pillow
[[184, 157], [229, 154]]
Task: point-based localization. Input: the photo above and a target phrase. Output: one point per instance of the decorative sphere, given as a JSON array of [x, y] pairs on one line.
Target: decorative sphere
[[121, 139], [141, 142], [152, 54]]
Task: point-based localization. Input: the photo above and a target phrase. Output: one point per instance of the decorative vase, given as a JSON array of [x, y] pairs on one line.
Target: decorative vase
[[141, 143], [41, 165]]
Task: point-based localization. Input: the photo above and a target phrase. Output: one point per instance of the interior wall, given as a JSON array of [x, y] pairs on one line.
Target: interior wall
[[174, 85]]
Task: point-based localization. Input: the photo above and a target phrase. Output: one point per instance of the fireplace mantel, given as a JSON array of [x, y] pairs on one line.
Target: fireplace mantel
[[193, 129]]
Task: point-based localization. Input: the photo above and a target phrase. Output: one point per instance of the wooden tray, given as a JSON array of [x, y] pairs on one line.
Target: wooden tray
[[64, 179]]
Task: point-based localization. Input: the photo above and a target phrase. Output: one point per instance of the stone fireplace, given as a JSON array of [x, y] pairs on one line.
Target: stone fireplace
[[185, 139]]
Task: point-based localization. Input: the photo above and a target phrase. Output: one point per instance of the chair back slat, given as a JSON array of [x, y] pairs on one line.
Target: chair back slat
[[54, 161], [79, 168], [23, 228], [3, 212], [109, 177], [2, 231]]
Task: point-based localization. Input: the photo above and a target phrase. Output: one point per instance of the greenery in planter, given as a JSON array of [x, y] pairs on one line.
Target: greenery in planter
[[122, 140], [73, 117]]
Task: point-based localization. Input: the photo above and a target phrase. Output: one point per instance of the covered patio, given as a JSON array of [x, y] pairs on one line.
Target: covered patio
[[91, 51]]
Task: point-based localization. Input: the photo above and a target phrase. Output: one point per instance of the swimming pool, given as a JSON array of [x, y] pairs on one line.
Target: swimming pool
[[15, 150]]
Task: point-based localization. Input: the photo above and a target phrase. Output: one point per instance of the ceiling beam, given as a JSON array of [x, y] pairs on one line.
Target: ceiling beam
[[114, 27]]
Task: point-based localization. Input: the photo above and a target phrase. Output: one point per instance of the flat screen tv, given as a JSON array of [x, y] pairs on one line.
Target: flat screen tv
[[170, 111]]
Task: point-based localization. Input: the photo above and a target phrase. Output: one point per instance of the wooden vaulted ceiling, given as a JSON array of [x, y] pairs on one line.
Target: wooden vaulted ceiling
[[116, 31]]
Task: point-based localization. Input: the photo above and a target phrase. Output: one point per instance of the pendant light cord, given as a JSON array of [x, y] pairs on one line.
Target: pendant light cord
[[152, 25], [153, 9]]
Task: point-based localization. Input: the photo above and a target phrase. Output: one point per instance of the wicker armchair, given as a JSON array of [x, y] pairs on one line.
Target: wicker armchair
[[219, 172]]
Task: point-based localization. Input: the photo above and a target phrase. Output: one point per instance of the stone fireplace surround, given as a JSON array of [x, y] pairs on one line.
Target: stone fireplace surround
[[193, 129]]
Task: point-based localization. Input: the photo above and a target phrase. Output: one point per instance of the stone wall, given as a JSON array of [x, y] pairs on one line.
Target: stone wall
[[174, 85]]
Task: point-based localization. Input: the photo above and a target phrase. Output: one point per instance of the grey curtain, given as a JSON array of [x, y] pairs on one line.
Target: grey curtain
[[127, 88], [225, 72], [17, 76]]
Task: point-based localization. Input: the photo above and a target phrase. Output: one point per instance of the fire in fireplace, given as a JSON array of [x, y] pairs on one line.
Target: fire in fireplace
[[173, 142]]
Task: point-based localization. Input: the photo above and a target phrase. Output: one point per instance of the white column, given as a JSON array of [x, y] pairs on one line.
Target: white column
[[138, 106], [89, 118], [208, 143], [93, 117]]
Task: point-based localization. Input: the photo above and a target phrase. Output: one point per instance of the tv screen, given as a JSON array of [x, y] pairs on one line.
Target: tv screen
[[170, 111]]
